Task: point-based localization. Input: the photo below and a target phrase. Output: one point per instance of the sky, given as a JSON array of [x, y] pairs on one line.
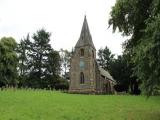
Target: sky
[[63, 18]]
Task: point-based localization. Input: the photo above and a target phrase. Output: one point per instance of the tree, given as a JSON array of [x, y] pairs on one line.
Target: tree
[[119, 71], [147, 57], [52, 71], [139, 19], [8, 62], [65, 62], [122, 72], [22, 50], [105, 58], [37, 58], [39, 64]]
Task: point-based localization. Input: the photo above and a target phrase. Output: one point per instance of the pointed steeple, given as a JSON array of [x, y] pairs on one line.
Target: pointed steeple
[[85, 38]]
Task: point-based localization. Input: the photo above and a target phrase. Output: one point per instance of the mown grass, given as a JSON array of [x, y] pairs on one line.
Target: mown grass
[[51, 105]]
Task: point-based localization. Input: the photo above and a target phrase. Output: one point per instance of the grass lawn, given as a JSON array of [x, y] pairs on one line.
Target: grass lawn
[[51, 105]]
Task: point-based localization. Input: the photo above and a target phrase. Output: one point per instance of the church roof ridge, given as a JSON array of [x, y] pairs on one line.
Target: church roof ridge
[[106, 74], [85, 36]]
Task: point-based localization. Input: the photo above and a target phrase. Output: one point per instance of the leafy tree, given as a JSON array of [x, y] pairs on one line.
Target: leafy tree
[[147, 56], [22, 50], [140, 20], [105, 58], [122, 72], [119, 71], [53, 69], [8, 62], [39, 64], [65, 62], [39, 55]]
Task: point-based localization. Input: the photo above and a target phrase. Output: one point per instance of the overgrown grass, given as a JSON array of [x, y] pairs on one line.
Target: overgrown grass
[[51, 105]]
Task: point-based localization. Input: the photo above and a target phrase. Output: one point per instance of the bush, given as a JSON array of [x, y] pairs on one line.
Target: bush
[[121, 88]]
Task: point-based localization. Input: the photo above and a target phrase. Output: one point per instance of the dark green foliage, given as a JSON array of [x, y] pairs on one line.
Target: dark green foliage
[[22, 51], [140, 19], [129, 16], [8, 62], [121, 72], [38, 54], [105, 58], [147, 56], [39, 64], [61, 84], [120, 69], [52, 71]]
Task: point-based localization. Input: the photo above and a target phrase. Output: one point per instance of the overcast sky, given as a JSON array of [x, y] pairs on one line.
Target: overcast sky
[[63, 18]]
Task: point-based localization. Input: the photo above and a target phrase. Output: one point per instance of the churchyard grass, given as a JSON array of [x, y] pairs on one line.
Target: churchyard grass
[[53, 105]]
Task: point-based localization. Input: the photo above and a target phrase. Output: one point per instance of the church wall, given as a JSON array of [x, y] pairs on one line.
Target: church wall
[[88, 70], [98, 80]]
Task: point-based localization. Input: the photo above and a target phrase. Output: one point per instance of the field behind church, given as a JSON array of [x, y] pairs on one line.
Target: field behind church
[[50, 105]]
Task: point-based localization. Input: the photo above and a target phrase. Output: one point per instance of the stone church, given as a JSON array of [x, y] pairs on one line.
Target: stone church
[[85, 74]]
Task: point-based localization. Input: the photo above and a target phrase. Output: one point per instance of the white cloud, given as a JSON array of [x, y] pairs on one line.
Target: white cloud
[[63, 18]]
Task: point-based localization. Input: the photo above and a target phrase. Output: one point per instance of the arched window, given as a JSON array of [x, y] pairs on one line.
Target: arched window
[[82, 52], [92, 53], [81, 78]]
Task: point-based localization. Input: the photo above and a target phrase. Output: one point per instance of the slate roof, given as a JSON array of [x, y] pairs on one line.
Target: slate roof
[[85, 36], [106, 74]]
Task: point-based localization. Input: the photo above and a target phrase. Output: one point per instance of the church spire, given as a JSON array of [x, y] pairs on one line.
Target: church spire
[[85, 38]]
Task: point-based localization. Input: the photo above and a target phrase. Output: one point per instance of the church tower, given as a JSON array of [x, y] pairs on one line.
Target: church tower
[[83, 65]]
